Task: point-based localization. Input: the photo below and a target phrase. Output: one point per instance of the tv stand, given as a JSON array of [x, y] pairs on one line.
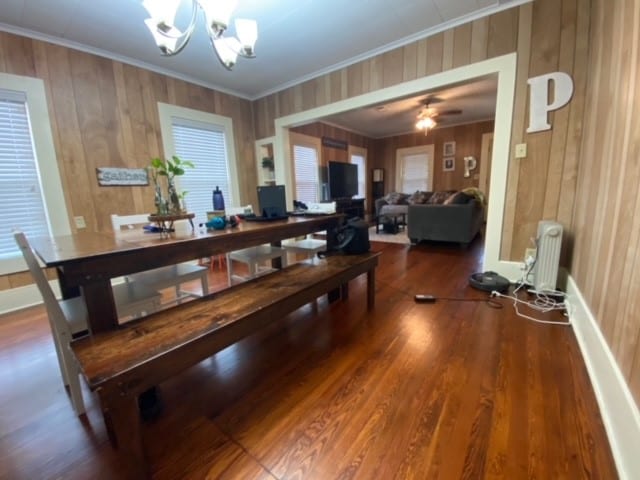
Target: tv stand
[[351, 207]]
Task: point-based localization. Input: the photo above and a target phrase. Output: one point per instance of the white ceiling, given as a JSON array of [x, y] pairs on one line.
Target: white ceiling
[[476, 99], [298, 39]]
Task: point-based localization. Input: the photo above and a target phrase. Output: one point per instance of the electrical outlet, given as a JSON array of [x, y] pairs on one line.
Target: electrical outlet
[[80, 223], [521, 150]]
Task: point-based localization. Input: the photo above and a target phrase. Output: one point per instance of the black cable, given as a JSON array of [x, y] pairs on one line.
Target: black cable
[[490, 300]]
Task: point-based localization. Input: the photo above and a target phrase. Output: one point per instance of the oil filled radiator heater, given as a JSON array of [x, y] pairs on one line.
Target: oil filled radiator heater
[[549, 242]]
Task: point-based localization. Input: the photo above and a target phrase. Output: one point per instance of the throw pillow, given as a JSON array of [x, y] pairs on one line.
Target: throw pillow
[[458, 198], [397, 198], [418, 198], [438, 198], [392, 198]]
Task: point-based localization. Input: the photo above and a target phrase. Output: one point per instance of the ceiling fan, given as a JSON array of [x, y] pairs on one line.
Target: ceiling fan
[[427, 115]]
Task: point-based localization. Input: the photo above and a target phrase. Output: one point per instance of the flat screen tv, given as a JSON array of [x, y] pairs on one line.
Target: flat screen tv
[[343, 180]]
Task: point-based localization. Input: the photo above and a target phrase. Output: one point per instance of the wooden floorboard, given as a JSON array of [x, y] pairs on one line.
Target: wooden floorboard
[[446, 390]]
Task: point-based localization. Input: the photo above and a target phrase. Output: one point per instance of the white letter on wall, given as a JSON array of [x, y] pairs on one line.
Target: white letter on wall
[[539, 98]]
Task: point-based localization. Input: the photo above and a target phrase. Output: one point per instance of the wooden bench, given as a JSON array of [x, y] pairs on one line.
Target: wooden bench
[[121, 364]]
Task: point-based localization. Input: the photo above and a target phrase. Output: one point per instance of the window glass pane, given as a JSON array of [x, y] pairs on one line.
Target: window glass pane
[[306, 171], [414, 172], [204, 145], [20, 189]]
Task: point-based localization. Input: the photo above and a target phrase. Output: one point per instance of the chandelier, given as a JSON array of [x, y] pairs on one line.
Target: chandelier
[[217, 14]]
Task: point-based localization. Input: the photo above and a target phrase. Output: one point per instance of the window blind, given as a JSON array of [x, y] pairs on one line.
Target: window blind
[[20, 190], [359, 161], [204, 145], [414, 172], [306, 172]]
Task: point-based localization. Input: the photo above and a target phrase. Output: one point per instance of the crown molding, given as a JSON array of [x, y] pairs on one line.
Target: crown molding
[[63, 42], [393, 45]]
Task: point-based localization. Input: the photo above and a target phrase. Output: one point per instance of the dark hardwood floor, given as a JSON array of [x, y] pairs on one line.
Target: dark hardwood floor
[[446, 390]]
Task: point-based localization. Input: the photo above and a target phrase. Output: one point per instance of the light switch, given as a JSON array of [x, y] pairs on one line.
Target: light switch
[[80, 222], [521, 150]]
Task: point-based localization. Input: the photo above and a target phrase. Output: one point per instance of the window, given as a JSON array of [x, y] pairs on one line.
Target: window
[[204, 145], [414, 169], [30, 186], [20, 192], [206, 140], [305, 167], [358, 156]]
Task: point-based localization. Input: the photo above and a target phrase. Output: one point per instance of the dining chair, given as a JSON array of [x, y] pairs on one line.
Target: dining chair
[[68, 318], [255, 258], [163, 277]]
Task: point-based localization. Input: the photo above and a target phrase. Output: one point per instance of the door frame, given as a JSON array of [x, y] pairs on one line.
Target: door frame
[[505, 67]]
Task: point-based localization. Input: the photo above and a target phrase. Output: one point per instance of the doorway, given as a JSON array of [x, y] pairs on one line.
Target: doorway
[[505, 68]]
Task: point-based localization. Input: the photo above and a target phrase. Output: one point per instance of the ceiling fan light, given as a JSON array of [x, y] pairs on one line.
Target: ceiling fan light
[[247, 31], [425, 123]]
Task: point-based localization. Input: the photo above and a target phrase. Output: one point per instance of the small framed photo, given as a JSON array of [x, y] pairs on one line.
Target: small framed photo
[[448, 164], [449, 149]]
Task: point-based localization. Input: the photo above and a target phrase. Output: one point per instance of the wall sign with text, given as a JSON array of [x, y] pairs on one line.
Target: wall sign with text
[[334, 143], [111, 176]]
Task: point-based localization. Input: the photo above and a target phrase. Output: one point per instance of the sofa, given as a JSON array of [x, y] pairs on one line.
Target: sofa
[[445, 216]]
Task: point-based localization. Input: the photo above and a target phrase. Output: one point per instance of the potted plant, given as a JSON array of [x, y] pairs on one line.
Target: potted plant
[[169, 168], [267, 162]]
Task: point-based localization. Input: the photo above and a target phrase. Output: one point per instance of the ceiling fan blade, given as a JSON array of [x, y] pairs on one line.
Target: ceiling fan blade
[[454, 111]]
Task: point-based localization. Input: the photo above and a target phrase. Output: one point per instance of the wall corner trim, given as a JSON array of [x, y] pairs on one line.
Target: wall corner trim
[[619, 411]]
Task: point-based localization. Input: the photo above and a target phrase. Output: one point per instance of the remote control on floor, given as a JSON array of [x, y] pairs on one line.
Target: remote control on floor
[[425, 299]]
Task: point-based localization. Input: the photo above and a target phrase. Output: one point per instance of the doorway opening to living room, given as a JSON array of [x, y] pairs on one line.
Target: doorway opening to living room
[[505, 68]]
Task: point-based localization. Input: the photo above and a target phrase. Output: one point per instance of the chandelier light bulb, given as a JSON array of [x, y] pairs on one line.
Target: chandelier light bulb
[[171, 41], [247, 31]]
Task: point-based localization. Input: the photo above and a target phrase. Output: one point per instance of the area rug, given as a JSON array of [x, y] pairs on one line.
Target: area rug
[[400, 237]]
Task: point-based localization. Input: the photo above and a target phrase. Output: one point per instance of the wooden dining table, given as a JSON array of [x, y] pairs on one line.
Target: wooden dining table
[[87, 261]]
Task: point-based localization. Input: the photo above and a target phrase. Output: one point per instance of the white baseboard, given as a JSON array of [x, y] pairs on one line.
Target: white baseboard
[[23, 297], [618, 409], [28, 296]]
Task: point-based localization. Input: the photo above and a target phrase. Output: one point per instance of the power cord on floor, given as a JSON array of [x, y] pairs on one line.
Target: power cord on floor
[[420, 298], [545, 301]]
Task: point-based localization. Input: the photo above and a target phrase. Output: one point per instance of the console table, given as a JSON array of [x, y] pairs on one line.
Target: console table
[[350, 207]]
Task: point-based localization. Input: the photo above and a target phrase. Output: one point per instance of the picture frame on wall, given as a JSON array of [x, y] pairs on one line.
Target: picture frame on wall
[[448, 164], [449, 149]]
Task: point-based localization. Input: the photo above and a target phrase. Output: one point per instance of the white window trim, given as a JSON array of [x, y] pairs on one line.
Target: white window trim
[[166, 112], [362, 152], [429, 150], [46, 159]]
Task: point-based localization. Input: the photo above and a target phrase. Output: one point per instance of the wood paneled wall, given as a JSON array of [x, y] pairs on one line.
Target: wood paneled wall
[[606, 223], [104, 114], [548, 35], [468, 140]]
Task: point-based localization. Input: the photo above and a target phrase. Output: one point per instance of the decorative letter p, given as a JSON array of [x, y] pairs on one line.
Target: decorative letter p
[[539, 98]]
